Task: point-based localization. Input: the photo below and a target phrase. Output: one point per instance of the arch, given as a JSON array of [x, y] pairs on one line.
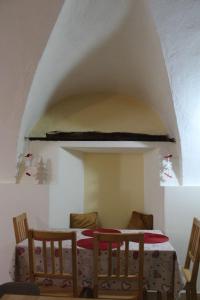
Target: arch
[[102, 47]]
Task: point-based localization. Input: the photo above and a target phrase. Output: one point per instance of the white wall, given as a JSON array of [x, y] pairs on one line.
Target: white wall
[[181, 205], [153, 193], [16, 199], [67, 194], [25, 26], [65, 179]]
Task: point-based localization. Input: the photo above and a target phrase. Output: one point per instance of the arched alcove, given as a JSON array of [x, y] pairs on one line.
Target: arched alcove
[[97, 47]]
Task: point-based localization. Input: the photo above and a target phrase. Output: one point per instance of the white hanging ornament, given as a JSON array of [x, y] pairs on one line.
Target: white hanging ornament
[[167, 166], [41, 174], [28, 163]]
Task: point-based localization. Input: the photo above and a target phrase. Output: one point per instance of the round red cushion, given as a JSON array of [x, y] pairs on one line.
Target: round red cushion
[[88, 244], [153, 238], [149, 238], [91, 232]]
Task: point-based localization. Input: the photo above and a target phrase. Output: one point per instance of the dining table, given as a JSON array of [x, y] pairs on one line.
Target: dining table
[[161, 268]]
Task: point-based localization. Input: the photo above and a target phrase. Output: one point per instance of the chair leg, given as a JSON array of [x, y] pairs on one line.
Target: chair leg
[[95, 291], [187, 289], [170, 296], [193, 293], [145, 295], [159, 295]]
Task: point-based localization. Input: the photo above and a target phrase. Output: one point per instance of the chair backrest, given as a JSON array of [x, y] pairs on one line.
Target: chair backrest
[[191, 266], [52, 249], [119, 269], [140, 220], [20, 224], [83, 220]]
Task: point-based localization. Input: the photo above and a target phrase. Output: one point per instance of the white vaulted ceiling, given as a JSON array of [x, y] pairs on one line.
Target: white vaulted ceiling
[[127, 47]]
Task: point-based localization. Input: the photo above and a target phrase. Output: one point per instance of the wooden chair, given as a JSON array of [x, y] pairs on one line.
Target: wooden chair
[[140, 220], [83, 220], [54, 266], [191, 267], [20, 224], [122, 273]]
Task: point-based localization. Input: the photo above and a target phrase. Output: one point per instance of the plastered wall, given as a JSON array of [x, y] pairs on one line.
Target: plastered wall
[[153, 192], [114, 186], [25, 27], [67, 195]]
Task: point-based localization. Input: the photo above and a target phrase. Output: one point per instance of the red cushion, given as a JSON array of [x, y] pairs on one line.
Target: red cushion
[[88, 244], [154, 238], [149, 238], [91, 232]]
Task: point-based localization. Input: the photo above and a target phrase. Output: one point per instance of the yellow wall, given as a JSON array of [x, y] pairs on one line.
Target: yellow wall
[[114, 186], [101, 113]]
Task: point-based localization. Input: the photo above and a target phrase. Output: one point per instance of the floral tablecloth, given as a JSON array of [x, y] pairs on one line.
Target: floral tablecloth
[[161, 271]]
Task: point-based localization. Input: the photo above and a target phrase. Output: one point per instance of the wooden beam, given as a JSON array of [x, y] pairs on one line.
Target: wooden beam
[[102, 136]]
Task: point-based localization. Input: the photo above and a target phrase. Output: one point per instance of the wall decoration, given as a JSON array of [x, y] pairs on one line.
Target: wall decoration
[[41, 172], [28, 163], [166, 168], [33, 167]]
